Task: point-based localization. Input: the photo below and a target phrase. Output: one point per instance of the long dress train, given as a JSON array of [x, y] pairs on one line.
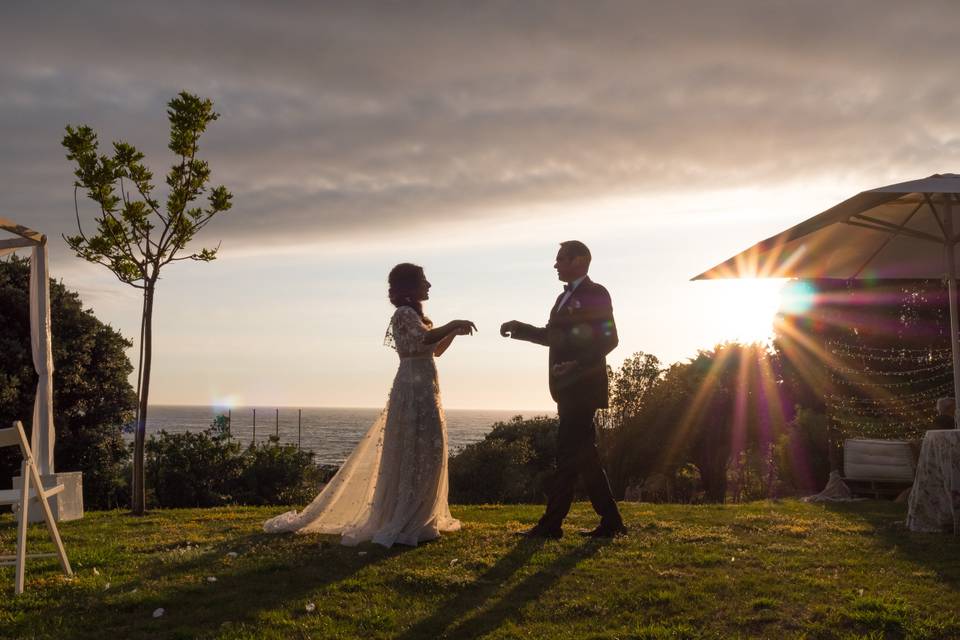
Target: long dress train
[[393, 487]]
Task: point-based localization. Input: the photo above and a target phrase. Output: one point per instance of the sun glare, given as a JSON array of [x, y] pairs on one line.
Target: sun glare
[[743, 310], [225, 402]]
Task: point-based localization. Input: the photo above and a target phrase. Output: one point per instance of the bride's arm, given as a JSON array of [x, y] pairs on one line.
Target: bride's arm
[[454, 327], [443, 344]]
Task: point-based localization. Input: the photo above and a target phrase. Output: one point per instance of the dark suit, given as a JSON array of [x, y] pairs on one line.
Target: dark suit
[[581, 330]]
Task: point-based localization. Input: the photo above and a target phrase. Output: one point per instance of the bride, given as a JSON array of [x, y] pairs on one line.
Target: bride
[[393, 487]]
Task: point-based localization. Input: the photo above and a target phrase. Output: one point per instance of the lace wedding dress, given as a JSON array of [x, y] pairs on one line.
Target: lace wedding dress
[[393, 487]]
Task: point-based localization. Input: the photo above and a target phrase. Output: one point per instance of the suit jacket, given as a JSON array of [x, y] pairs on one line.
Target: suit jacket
[[582, 330]]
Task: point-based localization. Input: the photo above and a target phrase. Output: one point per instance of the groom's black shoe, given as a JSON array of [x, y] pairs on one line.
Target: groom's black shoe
[[541, 532], [605, 531]]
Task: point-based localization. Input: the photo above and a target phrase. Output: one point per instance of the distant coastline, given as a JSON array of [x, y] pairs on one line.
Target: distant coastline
[[330, 432], [224, 408]]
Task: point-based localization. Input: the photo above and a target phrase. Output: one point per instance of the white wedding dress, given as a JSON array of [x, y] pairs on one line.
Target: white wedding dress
[[393, 487]]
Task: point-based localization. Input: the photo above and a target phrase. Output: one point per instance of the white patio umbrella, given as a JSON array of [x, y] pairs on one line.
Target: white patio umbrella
[[902, 231]]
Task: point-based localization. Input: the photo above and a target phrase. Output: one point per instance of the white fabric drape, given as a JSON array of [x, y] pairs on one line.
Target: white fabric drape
[[934, 504], [42, 438]]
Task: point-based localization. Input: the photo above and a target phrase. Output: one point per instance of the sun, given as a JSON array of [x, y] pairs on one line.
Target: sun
[[743, 309]]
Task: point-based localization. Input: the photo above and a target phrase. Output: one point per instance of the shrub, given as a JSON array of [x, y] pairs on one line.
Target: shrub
[[687, 484], [209, 469], [193, 469], [278, 474], [510, 465], [752, 475]]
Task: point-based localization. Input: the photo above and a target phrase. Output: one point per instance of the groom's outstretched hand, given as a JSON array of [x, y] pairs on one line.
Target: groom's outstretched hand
[[508, 328]]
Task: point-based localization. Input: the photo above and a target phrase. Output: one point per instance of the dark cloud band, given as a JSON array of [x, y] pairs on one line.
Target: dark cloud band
[[338, 117]]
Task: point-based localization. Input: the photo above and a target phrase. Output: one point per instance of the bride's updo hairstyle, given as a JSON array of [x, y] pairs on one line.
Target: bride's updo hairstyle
[[404, 281]]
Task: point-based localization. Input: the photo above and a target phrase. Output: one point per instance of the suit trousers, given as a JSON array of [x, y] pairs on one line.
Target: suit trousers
[[577, 456]]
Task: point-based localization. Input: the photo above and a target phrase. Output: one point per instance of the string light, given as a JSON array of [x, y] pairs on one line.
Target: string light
[[835, 345], [908, 372], [889, 354], [905, 398], [870, 401]]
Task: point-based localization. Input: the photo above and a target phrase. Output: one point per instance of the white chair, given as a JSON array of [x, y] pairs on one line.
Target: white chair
[[20, 499]]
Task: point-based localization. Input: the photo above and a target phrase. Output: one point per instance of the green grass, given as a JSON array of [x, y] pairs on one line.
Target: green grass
[[766, 570]]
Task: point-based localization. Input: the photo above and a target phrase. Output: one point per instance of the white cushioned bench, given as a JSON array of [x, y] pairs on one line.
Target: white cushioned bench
[[884, 465]]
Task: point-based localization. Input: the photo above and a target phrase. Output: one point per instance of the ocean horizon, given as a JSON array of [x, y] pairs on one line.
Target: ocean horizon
[[330, 432]]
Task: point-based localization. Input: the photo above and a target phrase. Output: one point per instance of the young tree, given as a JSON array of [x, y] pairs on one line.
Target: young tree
[[136, 237]]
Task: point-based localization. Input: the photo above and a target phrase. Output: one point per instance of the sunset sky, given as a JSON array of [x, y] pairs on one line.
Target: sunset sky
[[471, 138]]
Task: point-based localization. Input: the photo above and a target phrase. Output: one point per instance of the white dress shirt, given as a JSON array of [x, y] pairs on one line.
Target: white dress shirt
[[569, 292]]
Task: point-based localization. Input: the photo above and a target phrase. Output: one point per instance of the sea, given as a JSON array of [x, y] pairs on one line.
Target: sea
[[331, 433]]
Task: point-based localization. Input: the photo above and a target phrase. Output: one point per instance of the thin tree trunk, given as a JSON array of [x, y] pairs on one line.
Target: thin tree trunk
[[133, 478], [139, 475], [140, 355]]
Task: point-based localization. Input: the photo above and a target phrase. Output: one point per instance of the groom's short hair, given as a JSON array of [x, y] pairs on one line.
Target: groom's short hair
[[576, 248]]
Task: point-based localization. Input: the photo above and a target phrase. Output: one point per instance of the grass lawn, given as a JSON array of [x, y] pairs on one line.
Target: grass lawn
[[769, 570]]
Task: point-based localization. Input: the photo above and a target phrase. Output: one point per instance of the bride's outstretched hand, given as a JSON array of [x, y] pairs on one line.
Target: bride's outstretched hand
[[464, 327]]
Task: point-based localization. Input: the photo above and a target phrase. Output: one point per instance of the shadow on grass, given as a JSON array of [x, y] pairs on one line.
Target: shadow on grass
[[275, 572], [936, 552], [478, 609]]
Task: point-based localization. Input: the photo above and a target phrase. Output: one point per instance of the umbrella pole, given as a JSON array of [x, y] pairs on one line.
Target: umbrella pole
[[952, 296]]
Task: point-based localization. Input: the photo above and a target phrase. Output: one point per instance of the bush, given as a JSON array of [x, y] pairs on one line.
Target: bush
[[752, 475], [208, 469], [687, 484], [278, 474], [510, 465], [193, 469]]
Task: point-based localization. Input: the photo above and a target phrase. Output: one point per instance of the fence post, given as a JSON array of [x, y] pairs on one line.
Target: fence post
[[278, 426], [254, 427], [299, 416], [230, 422]]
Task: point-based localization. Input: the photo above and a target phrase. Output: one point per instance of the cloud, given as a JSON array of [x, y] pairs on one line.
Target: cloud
[[340, 118]]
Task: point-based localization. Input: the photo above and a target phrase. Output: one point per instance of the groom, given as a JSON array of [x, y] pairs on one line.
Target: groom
[[580, 333]]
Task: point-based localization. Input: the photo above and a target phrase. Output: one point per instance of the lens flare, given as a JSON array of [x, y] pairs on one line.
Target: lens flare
[[225, 402], [797, 297]]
